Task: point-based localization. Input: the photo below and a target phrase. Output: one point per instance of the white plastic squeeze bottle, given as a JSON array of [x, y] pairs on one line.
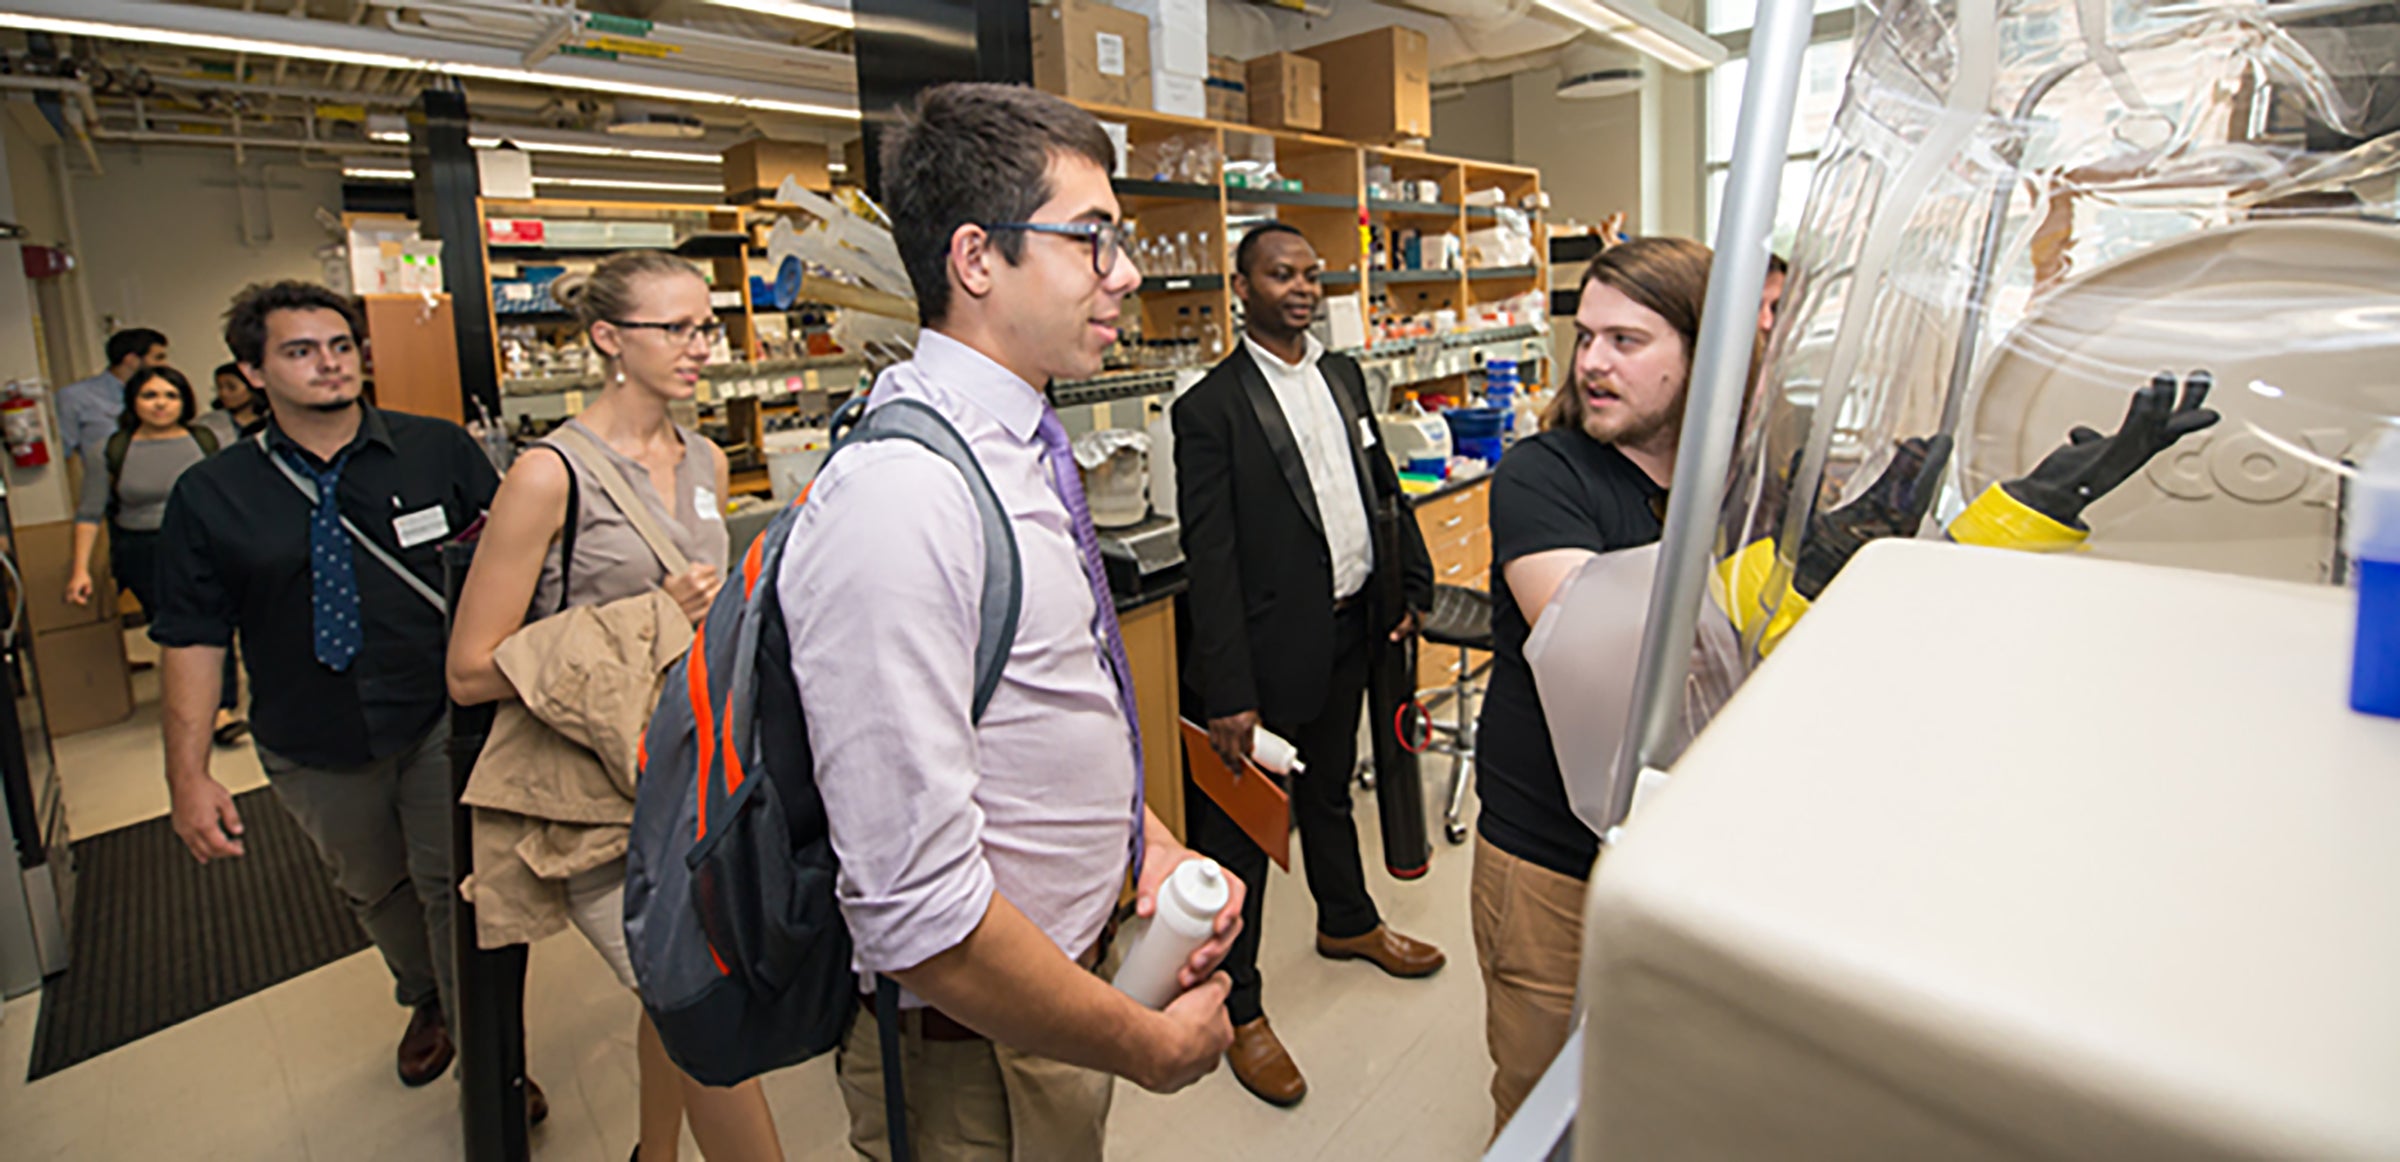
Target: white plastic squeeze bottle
[[1188, 904], [1268, 749]]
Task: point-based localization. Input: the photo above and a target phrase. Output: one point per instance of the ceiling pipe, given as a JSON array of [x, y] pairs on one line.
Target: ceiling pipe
[[80, 115]]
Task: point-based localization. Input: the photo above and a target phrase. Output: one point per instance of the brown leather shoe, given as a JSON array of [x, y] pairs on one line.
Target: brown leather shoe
[[1262, 1066], [425, 1050], [1387, 950]]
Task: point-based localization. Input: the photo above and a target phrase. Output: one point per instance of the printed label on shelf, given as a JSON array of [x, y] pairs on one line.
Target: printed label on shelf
[[705, 392], [574, 402], [1109, 49], [809, 377]]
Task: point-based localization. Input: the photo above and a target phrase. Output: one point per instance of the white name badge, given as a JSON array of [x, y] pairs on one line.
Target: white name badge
[[425, 524], [704, 502]]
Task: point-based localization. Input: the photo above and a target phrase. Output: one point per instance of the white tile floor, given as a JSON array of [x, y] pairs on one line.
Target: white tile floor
[[304, 1070]]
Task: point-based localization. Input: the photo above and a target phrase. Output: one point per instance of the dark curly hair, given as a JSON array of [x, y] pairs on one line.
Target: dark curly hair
[[246, 319]]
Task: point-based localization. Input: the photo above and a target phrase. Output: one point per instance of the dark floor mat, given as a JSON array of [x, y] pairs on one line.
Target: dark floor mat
[[158, 939]]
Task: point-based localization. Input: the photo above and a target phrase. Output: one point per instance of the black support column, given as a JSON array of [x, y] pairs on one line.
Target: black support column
[[446, 188], [906, 45]]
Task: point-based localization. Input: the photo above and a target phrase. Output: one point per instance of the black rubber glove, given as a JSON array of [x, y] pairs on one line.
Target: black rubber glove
[[1894, 506], [2089, 465]]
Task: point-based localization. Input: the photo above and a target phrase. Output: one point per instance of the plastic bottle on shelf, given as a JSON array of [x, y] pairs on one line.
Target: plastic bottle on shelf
[[1188, 904], [1212, 340], [1187, 338]]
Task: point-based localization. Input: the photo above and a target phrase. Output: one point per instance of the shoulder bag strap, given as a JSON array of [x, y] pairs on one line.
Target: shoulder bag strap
[[614, 484], [566, 532], [308, 489]]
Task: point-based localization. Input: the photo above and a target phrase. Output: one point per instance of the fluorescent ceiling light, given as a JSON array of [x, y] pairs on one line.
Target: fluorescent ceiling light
[[793, 10], [628, 184], [581, 150], [376, 60], [1638, 25], [364, 173]]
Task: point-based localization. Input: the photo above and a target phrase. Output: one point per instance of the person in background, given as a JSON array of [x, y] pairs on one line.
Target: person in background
[[1276, 482], [238, 410], [1593, 481], [154, 442], [982, 859], [1778, 273], [648, 314], [88, 408], [321, 544]]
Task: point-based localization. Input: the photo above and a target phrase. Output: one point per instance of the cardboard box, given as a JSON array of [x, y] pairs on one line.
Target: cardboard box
[[1178, 35], [755, 169], [1384, 95], [1179, 95], [85, 681], [1286, 92], [1089, 51], [1228, 90]]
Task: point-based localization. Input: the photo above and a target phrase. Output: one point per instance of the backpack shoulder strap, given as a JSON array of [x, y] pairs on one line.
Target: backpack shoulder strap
[[119, 443], [205, 438], [1003, 577]]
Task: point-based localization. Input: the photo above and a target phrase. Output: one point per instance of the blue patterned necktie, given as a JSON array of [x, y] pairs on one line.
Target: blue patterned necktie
[[1069, 484], [333, 579]]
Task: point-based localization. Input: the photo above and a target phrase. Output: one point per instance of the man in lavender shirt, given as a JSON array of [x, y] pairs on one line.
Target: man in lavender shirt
[[981, 861]]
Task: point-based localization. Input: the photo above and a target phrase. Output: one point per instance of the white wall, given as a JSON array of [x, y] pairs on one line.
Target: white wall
[[171, 232], [1478, 122]]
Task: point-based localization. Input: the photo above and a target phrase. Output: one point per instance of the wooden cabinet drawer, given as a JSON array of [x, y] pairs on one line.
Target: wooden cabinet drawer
[[1457, 514], [1437, 666], [1457, 560]]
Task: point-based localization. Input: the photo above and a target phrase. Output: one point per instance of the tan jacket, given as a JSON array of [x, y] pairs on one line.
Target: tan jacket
[[553, 788]]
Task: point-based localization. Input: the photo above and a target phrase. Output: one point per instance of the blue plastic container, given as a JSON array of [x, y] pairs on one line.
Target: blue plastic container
[[2372, 527], [1475, 432]]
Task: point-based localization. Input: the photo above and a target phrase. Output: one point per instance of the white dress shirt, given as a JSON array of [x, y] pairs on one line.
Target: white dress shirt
[[1316, 422], [881, 585]]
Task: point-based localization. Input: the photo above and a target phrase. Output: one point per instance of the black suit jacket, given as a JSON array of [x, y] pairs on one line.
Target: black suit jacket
[[1261, 596]]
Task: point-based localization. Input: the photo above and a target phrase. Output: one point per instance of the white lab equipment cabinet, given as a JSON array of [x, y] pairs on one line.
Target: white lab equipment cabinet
[[2007, 855]]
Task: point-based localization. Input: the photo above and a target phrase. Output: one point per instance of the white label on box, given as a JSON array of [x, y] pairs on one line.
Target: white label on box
[[1109, 50]]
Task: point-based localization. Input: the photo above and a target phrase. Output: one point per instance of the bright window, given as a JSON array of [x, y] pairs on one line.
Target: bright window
[[1823, 68]]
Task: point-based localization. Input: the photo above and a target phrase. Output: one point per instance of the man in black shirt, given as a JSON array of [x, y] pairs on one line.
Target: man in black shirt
[[319, 540], [1592, 482]]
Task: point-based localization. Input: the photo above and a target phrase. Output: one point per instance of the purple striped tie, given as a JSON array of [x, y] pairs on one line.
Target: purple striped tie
[[1069, 482]]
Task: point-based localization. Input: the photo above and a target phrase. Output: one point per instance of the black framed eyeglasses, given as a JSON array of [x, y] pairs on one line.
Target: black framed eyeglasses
[[1108, 239], [678, 332]]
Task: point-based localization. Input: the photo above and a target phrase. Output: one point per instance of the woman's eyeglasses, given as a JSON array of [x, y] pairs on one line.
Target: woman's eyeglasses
[[678, 332]]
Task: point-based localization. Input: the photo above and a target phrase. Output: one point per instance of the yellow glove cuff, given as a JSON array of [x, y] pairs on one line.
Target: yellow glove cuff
[[1999, 521], [1739, 585]]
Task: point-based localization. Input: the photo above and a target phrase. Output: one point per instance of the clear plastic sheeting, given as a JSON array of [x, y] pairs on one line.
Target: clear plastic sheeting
[[2109, 276]]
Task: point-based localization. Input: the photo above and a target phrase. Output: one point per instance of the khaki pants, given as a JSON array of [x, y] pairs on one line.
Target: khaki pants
[[972, 1101], [1529, 943]]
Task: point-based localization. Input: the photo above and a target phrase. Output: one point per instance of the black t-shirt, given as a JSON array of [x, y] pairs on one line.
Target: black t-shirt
[[234, 553], [1558, 490]]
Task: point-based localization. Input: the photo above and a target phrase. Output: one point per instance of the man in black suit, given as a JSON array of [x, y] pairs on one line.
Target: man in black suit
[[1278, 476]]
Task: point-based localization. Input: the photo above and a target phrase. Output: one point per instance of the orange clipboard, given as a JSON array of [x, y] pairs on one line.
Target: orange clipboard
[[1253, 800]]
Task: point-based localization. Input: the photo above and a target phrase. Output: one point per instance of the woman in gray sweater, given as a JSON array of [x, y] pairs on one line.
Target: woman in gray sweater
[[154, 442]]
